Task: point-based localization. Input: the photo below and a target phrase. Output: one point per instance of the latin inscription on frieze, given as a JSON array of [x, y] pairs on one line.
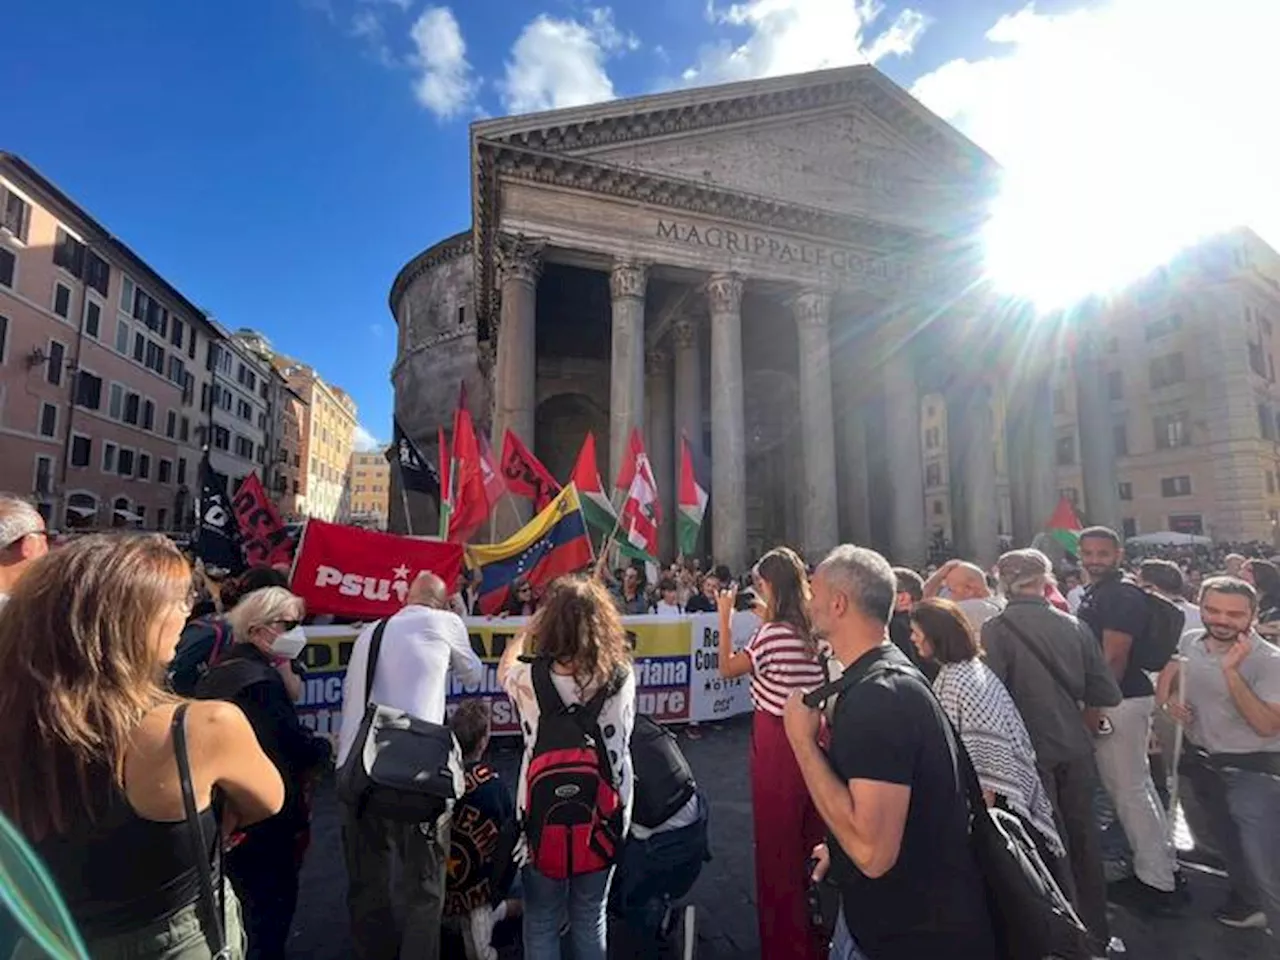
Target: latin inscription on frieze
[[840, 262]]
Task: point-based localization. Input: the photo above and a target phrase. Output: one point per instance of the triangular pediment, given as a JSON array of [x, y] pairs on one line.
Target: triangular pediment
[[845, 141]]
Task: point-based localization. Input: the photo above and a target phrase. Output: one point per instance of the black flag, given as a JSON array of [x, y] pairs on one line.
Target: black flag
[[218, 537], [416, 471]]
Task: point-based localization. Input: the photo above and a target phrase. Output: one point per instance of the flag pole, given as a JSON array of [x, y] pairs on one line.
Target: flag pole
[[404, 500], [604, 546]]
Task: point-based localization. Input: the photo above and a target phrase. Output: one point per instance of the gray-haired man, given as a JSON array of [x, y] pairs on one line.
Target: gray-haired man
[[1051, 663], [23, 540]]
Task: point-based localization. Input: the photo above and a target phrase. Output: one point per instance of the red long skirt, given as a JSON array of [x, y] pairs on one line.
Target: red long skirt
[[787, 828]]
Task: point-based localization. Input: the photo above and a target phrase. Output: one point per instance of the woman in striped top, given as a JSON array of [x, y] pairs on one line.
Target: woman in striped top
[[781, 657]]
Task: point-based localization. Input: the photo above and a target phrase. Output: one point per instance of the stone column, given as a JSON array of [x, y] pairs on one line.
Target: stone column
[[659, 427], [688, 404], [626, 372], [821, 520], [971, 436], [1097, 439], [908, 533], [515, 369], [1035, 435], [728, 429]]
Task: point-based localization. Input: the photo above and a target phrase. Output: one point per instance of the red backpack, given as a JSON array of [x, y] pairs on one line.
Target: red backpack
[[573, 810]]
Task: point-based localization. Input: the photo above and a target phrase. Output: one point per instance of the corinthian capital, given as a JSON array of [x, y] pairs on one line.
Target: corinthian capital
[[724, 293], [812, 308], [519, 258], [627, 279], [684, 331]]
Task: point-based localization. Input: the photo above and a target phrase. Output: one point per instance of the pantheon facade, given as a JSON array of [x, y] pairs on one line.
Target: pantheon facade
[[778, 270]]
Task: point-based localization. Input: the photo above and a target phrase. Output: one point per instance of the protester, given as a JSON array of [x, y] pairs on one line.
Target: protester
[[1073, 589], [668, 602], [630, 595], [988, 722], [1051, 663], [1233, 565], [1165, 578], [782, 658], [422, 643], [256, 675], [667, 846], [1228, 699], [1265, 578], [481, 842], [966, 584], [520, 600], [1116, 611], [206, 639], [87, 749], [23, 540], [686, 587], [578, 647], [910, 591], [888, 788], [705, 600]]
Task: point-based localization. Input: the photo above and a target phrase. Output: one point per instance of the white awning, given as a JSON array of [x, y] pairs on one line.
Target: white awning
[[82, 512], [126, 515]]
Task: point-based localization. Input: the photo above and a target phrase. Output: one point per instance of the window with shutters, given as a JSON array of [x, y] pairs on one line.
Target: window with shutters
[[48, 420], [4, 338], [68, 253], [148, 415], [109, 452], [132, 408], [115, 403], [1175, 486], [1125, 489], [124, 462], [171, 424], [62, 300], [92, 318], [164, 471], [8, 267], [15, 214], [182, 470], [44, 475], [1172, 430], [97, 272], [144, 465], [81, 450], [88, 390], [57, 358]]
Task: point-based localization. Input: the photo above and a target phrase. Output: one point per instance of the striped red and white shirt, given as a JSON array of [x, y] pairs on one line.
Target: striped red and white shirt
[[780, 664]]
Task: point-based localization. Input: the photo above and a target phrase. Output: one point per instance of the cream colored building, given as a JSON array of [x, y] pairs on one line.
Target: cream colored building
[[1188, 363], [370, 489], [328, 430]]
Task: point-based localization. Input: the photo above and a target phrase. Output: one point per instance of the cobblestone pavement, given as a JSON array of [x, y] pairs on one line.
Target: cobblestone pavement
[[725, 894]]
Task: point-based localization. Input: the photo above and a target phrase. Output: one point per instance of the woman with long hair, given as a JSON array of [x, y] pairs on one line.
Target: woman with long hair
[[988, 721], [257, 675], [578, 636], [88, 768], [781, 658]]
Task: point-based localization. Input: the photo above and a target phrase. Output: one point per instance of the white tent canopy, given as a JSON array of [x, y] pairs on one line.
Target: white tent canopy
[[1169, 538]]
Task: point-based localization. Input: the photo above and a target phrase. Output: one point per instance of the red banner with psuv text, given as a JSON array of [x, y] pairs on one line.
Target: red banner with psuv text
[[349, 572], [263, 537]]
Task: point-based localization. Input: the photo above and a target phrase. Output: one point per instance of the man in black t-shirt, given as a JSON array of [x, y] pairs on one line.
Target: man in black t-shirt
[[889, 790], [1115, 609]]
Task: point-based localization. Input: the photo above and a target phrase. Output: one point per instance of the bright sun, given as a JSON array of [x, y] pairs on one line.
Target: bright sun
[[1126, 130]]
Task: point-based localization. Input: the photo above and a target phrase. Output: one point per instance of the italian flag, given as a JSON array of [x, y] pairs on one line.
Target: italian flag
[[1064, 526], [692, 503], [596, 507]]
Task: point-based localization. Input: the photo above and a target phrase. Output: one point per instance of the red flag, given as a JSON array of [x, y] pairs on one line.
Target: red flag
[[525, 474], [470, 505], [262, 534], [627, 469], [349, 572], [494, 487]]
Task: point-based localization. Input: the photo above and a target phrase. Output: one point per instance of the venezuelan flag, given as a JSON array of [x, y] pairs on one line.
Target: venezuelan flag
[[553, 543]]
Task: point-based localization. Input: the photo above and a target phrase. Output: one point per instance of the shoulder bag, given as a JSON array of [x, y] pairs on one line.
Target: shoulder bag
[[213, 908], [400, 767]]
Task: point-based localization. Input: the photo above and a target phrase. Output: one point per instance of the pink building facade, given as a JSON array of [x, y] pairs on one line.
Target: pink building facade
[[98, 423]]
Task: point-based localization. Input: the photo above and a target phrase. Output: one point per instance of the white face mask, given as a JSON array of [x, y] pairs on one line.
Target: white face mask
[[290, 643]]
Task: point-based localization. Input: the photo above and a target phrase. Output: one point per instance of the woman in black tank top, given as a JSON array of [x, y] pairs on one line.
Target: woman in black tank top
[[88, 769]]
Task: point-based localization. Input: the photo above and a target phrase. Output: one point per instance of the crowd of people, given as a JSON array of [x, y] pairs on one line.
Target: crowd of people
[[153, 757]]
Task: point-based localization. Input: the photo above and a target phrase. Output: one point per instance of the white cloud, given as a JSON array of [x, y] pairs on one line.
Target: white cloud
[[364, 441], [792, 36], [561, 63], [1126, 130], [445, 84], [367, 28]]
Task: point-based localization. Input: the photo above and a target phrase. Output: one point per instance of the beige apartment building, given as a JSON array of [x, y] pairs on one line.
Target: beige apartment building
[[1188, 358], [327, 434], [370, 490]]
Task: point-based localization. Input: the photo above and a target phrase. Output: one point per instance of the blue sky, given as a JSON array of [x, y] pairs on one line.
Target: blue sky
[[279, 160]]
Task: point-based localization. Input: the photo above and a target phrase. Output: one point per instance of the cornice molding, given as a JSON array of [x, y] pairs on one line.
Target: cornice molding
[[451, 248]]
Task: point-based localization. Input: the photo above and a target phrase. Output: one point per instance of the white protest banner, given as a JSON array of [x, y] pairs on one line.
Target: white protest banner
[[712, 697]]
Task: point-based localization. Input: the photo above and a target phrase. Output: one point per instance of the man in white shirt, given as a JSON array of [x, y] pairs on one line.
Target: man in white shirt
[[23, 541], [1165, 579], [420, 645]]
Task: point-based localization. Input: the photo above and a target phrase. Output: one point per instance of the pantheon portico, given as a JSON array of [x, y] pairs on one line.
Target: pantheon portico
[[775, 269]]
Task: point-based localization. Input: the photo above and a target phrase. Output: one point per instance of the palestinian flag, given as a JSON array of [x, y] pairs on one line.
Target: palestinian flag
[[586, 477], [692, 503], [1064, 526]]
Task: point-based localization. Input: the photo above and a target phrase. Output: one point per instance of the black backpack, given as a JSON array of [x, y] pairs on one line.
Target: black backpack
[[663, 778], [1165, 623], [573, 809]]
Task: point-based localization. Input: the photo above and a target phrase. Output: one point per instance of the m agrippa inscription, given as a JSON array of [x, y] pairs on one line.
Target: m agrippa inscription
[[832, 260]]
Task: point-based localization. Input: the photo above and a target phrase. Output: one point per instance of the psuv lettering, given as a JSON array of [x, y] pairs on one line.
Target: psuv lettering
[[354, 585]]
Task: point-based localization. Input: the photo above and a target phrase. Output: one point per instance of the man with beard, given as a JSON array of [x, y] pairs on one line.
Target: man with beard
[[1229, 701], [1115, 609], [910, 591]]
